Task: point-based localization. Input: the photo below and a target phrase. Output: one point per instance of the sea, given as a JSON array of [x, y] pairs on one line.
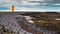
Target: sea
[[41, 6], [4, 8]]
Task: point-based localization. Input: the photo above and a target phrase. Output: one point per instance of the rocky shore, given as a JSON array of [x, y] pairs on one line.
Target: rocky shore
[[22, 24]]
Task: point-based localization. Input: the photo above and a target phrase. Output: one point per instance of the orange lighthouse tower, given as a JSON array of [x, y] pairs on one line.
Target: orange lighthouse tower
[[13, 9]]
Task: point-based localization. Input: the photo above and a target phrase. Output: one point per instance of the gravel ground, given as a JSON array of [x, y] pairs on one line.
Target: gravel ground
[[9, 22]]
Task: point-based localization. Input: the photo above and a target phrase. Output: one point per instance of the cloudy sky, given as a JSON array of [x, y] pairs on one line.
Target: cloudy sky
[[36, 5]]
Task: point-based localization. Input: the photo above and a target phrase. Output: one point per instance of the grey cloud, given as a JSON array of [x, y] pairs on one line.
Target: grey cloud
[[48, 1], [56, 1], [52, 1]]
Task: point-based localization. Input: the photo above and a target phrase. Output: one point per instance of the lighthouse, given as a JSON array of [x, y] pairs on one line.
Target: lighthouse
[[13, 9]]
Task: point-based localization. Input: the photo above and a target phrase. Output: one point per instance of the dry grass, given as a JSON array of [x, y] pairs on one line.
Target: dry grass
[[46, 20]]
